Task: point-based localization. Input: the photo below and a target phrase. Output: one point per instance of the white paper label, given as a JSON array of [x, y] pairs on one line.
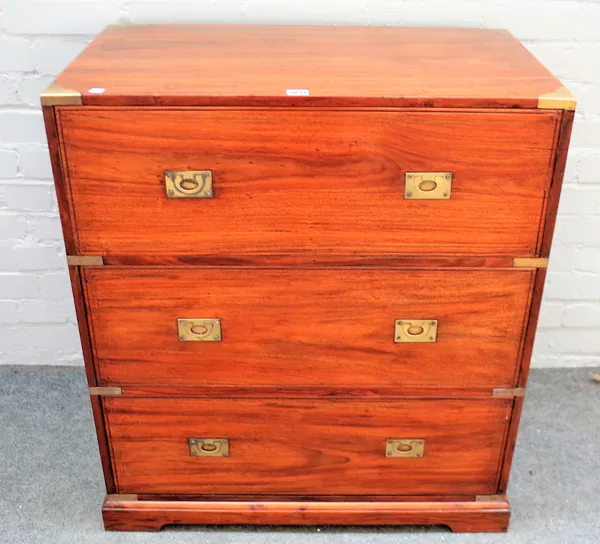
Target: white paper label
[[297, 92], [96, 90]]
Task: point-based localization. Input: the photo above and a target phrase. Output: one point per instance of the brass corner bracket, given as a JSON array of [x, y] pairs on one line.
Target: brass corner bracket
[[105, 391], [561, 99], [55, 95], [530, 262], [84, 260], [490, 498], [508, 393], [121, 497]]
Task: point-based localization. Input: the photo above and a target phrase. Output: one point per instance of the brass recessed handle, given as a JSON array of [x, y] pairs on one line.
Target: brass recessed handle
[[189, 183], [404, 447], [199, 329], [415, 330], [209, 447], [427, 185]]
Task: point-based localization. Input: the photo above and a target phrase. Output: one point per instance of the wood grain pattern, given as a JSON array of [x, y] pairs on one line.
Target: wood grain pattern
[[308, 253], [307, 327], [86, 346], [314, 260], [300, 498], [564, 137], [511, 441], [306, 446], [84, 335], [306, 181], [62, 191], [540, 279], [255, 65], [287, 391], [103, 444], [475, 517], [529, 339]]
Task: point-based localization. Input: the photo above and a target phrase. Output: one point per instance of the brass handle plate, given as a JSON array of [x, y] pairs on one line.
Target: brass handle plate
[[189, 183], [427, 185], [199, 329], [209, 447], [404, 447], [415, 330]]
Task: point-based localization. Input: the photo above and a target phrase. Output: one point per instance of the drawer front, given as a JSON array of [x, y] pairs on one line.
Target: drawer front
[[306, 181], [307, 327], [304, 446]]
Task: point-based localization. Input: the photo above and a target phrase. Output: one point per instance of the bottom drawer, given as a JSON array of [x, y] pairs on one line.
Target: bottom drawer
[[310, 447]]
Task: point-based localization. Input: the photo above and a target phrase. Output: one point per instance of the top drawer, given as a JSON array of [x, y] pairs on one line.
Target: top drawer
[[290, 181]]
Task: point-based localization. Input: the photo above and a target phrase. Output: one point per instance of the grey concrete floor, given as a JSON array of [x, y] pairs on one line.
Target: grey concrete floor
[[51, 486]]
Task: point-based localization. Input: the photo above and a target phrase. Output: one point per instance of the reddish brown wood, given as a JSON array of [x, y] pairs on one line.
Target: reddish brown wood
[[528, 343], [306, 446], [302, 392], [255, 65], [62, 192], [103, 444], [314, 260], [561, 158], [511, 441], [532, 320], [551, 211], [275, 332], [308, 252], [80, 310], [303, 498], [476, 517], [306, 181], [564, 138], [84, 335]]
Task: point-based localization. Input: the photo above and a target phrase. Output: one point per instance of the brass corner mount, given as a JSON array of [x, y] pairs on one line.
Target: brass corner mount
[[55, 95], [560, 99]]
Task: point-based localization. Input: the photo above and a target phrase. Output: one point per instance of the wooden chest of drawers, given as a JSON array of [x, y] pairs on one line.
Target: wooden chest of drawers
[[307, 265]]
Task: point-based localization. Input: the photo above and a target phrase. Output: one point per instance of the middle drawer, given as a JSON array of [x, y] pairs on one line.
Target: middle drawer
[[307, 326]]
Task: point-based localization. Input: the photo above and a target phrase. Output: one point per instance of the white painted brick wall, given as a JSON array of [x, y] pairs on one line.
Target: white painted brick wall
[[39, 37]]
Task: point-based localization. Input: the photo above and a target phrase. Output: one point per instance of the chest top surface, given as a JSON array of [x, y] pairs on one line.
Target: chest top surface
[[244, 65]]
